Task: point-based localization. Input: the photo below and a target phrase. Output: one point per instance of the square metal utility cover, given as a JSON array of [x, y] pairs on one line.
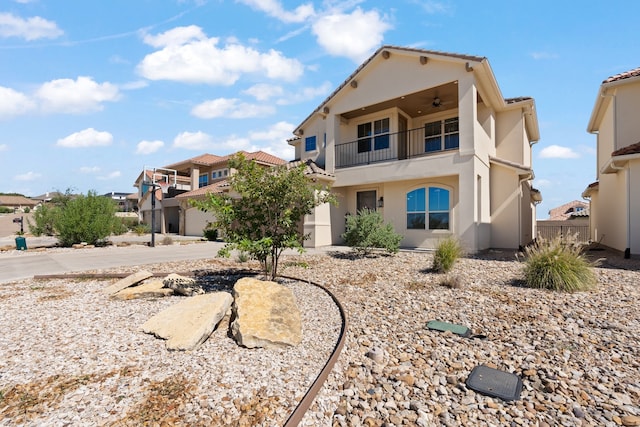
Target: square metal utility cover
[[496, 383], [461, 330]]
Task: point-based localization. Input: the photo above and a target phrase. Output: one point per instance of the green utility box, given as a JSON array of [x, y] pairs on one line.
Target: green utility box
[[21, 243]]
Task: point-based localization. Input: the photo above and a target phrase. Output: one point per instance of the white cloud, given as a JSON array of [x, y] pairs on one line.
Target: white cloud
[[306, 94], [188, 56], [13, 103], [542, 183], [230, 108], [29, 176], [193, 141], [86, 138], [89, 169], [433, 7], [148, 147], [354, 35], [112, 175], [558, 152], [275, 9], [275, 140], [29, 29], [544, 55], [138, 84], [76, 96], [263, 91], [4, 147]]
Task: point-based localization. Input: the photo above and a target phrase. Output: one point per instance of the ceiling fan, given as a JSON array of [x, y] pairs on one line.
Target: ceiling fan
[[438, 103]]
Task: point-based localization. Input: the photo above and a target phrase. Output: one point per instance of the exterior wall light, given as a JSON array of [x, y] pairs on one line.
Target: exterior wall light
[[381, 202]]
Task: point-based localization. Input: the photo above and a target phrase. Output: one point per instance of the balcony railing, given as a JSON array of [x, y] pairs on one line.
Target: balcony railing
[[391, 146]]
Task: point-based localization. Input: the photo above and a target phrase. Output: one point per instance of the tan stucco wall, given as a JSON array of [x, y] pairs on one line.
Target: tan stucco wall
[[505, 205], [627, 103], [510, 137], [195, 221]]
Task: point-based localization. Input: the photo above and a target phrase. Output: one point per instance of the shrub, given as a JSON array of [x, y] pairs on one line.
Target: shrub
[[167, 240], [4, 209], [89, 218], [446, 255], [366, 231], [44, 220], [558, 264], [27, 209], [141, 229], [210, 233]]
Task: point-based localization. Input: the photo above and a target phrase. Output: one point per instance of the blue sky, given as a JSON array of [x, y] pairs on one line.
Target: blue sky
[[91, 92]]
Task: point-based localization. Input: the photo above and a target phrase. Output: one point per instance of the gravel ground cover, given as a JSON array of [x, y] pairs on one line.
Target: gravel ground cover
[[70, 356]]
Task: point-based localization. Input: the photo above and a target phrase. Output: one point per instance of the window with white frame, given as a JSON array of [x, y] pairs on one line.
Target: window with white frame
[[379, 129], [428, 206], [441, 135]]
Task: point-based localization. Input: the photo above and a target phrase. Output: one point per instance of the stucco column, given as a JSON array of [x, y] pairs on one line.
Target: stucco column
[[332, 127], [467, 113]]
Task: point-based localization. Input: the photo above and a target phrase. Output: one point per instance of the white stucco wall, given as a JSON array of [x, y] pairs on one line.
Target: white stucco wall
[[627, 104], [195, 221]]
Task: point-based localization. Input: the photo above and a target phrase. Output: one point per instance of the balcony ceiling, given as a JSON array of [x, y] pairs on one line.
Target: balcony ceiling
[[416, 104]]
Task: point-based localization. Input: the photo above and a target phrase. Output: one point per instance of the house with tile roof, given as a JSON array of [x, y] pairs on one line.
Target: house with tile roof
[[615, 195], [168, 189], [16, 202], [426, 138]]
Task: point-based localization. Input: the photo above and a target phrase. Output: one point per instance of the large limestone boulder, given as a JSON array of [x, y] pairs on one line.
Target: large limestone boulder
[[266, 315], [150, 289], [130, 280], [189, 323]]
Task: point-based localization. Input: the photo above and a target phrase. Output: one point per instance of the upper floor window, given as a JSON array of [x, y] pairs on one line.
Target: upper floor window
[[203, 180], [441, 135], [310, 143], [433, 210], [379, 129]]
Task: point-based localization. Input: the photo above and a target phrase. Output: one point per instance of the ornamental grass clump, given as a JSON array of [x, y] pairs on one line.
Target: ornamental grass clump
[[558, 264], [446, 255]]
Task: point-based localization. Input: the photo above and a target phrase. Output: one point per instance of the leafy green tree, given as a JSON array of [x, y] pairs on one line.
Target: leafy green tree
[[43, 220], [89, 218], [263, 217], [366, 231]]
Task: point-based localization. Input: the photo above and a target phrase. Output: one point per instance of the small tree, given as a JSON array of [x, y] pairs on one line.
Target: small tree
[[89, 218], [264, 218], [367, 231], [45, 216]]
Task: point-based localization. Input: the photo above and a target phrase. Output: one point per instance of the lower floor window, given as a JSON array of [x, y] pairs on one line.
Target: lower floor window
[[428, 206]]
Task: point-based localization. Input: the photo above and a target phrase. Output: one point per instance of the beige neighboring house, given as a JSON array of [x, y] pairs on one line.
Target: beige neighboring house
[[17, 203], [175, 184], [572, 210], [615, 195], [427, 139]]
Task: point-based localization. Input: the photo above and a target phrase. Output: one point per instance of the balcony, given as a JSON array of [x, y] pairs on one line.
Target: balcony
[[396, 146]]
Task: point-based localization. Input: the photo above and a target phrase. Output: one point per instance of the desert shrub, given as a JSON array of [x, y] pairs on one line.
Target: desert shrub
[[27, 209], [89, 219], [447, 253], [366, 231], [210, 232], [43, 220], [142, 229], [558, 264], [167, 240], [242, 257], [4, 209], [129, 222]]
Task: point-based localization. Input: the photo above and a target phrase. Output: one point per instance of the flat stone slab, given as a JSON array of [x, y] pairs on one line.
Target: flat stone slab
[[127, 281], [189, 323], [266, 315], [152, 289]]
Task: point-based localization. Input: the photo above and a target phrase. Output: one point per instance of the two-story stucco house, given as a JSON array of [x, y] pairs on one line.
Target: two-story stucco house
[[428, 139], [615, 196], [176, 184]]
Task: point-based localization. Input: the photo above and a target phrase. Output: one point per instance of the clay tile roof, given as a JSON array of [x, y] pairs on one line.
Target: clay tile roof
[[203, 159], [627, 74], [630, 149], [518, 99], [311, 168], [216, 187]]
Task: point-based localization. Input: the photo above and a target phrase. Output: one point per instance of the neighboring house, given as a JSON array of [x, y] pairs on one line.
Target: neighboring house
[[47, 197], [125, 204], [426, 138], [175, 184], [570, 219], [571, 210], [615, 196], [17, 203]]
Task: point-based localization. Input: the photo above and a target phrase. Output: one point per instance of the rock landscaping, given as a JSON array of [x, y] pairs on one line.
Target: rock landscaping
[[73, 355]]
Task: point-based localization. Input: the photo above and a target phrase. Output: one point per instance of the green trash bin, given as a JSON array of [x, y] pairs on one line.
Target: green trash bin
[[21, 243]]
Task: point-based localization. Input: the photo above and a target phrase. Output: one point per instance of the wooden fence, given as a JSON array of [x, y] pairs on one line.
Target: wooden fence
[[550, 229]]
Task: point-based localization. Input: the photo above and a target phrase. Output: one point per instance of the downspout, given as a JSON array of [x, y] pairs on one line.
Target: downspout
[[520, 182]]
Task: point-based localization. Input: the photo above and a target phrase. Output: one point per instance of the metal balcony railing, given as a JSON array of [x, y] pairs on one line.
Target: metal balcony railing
[[391, 146]]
